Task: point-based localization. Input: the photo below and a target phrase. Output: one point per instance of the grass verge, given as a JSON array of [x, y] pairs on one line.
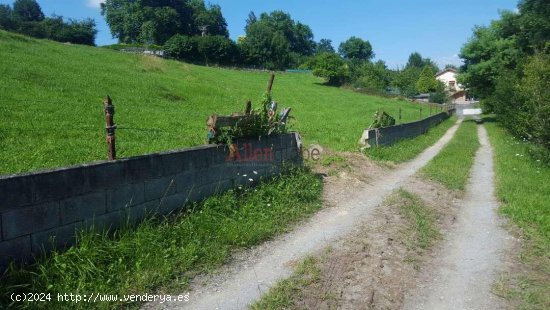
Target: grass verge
[[283, 294], [161, 255], [522, 185], [408, 149], [451, 167], [421, 230]]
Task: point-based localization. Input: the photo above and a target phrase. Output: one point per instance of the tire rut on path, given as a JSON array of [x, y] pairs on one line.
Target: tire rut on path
[[474, 252], [245, 283]]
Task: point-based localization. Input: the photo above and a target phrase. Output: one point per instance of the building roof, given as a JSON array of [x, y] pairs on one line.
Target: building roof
[[450, 69]]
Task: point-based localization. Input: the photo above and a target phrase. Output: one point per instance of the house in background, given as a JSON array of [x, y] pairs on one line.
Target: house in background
[[456, 91]]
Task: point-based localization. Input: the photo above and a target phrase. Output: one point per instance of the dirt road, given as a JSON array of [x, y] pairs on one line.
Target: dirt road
[[467, 265], [246, 280]]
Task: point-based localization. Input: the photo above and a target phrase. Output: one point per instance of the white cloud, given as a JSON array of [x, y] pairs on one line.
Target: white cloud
[[94, 3]]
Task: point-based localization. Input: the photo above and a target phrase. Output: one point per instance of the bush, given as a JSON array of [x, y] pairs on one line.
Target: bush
[[439, 95], [182, 47], [211, 50], [522, 100], [331, 67], [216, 50]]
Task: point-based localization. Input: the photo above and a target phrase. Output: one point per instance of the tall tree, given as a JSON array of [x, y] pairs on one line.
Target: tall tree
[[324, 46], [356, 49], [426, 81], [507, 66], [28, 11], [275, 40], [155, 21], [6, 17], [415, 60]]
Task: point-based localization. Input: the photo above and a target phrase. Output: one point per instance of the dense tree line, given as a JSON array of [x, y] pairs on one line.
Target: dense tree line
[[192, 31], [507, 65], [26, 17], [353, 66]]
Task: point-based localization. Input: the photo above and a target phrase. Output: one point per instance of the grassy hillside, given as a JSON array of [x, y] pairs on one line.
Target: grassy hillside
[[51, 103]]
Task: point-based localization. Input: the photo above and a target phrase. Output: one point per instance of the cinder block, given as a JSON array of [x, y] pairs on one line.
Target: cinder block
[[172, 203], [157, 165], [175, 162], [16, 191], [157, 188], [139, 169], [223, 186], [106, 175], [109, 221], [59, 184], [219, 155], [198, 194], [201, 158], [83, 207], [18, 250], [125, 196], [286, 140], [30, 219], [278, 156], [140, 212], [213, 175], [57, 238], [187, 180]]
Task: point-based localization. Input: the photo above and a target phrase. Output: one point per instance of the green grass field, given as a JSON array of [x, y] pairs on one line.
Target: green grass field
[[408, 149], [523, 186], [451, 167], [51, 97]]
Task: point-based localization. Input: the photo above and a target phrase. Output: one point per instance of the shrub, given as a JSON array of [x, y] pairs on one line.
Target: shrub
[[182, 47], [522, 100], [216, 50], [331, 67]]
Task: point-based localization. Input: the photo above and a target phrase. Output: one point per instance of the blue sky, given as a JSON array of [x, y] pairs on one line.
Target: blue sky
[[395, 28]]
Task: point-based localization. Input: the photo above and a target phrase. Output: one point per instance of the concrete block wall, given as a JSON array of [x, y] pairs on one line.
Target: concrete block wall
[[392, 134], [43, 210]]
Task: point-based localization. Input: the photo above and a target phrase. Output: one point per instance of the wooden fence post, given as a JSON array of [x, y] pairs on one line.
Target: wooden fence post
[[400, 122], [430, 109], [248, 107], [420, 112], [270, 84], [110, 127]]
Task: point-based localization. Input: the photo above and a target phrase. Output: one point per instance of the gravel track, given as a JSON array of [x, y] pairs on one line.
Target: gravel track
[[243, 282]]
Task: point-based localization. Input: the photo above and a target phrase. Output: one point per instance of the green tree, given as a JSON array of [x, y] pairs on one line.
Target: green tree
[[507, 66], [265, 47], [405, 80], [374, 77], [6, 21], [331, 67], [324, 46], [534, 26], [210, 17], [415, 60], [426, 82], [27, 11], [182, 47], [275, 41], [356, 49], [148, 21], [216, 50]]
